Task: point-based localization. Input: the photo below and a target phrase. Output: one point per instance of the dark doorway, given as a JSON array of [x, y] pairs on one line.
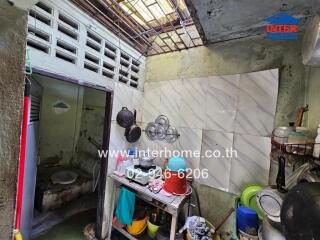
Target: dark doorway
[[69, 122]]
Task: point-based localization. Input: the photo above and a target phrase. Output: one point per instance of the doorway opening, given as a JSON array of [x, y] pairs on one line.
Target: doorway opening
[[65, 177]]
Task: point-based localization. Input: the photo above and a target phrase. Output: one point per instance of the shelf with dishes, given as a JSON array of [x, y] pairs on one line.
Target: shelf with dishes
[[294, 140]]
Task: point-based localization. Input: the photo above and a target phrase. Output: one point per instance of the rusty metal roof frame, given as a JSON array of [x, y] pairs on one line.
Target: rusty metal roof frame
[[175, 34]]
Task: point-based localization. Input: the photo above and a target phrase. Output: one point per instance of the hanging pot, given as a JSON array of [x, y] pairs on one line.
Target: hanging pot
[[146, 162], [125, 118], [133, 132]]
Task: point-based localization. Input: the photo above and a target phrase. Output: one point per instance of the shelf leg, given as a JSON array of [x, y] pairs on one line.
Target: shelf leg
[[173, 227], [109, 230]]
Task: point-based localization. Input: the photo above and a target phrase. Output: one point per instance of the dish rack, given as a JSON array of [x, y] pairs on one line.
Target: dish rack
[[299, 149]]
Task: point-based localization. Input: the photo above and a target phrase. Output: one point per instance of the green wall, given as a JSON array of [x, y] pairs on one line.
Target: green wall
[[313, 98]]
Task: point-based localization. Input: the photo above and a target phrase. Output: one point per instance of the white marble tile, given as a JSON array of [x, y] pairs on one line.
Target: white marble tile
[[117, 138], [221, 102], [218, 167], [170, 100], [122, 98], [117, 143], [252, 164], [165, 151], [257, 101], [151, 102], [137, 103], [189, 144], [193, 107]]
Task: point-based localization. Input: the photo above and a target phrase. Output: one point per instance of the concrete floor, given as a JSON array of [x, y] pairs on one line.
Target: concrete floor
[[70, 229]]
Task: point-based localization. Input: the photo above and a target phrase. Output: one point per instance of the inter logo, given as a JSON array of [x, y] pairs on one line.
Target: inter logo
[[282, 26]]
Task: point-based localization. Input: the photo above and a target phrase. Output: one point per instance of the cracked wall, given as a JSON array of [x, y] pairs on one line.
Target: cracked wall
[[12, 55]]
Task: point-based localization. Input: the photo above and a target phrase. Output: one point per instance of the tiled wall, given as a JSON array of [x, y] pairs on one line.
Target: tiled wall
[[214, 113], [218, 112], [210, 113]]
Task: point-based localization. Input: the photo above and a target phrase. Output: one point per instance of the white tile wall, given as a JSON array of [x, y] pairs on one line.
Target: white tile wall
[[151, 102], [218, 167], [252, 163], [170, 100], [193, 109], [221, 102], [190, 140], [257, 99], [214, 113]]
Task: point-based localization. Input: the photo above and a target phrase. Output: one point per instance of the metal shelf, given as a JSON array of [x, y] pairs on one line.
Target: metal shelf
[[298, 149], [171, 205]]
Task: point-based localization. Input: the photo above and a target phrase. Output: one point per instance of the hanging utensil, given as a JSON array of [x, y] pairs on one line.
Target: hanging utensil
[[162, 121], [146, 161], [171, 134], [281, 180], [151, 131], [161, 132], [125, 118], [133, 132]]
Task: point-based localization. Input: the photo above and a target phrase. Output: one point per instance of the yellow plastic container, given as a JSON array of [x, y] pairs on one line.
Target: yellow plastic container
[[137, 227]]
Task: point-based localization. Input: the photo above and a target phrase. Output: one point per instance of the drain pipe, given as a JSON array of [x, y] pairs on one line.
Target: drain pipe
[[22, 158]]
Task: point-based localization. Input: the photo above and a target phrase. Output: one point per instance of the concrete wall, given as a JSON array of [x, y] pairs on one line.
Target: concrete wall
[[92, 125], [12, 55], [49, 61], [59, 127], [313, 98], [247, 55], [64, 134]]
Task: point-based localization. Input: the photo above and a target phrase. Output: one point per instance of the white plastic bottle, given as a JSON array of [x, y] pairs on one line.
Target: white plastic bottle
[[316, 149]]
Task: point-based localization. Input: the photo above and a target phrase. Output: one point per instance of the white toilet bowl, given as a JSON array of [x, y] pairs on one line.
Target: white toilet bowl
[[64, 177]]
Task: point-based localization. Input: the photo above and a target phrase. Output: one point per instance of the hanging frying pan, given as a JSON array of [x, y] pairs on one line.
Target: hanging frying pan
[[133, 133], [125, 118]]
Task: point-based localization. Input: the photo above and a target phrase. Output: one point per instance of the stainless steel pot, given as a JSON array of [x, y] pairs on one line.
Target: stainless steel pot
[[268, 232], [281, 134], [146, 161]]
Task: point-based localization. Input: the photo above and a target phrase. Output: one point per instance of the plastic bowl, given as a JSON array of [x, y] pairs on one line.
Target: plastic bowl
[[177, 164], [248, 198], [137, 227]]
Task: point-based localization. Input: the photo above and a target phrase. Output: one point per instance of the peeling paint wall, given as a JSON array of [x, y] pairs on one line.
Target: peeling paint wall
[[313, 98], [12, 55]]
